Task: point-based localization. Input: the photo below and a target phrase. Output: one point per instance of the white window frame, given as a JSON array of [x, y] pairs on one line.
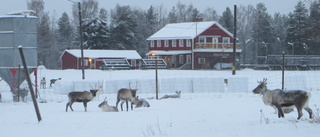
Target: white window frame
[[85, 62], [226, 40], [166, 43], [159, 43], [181, 43], [202, 39], [181, 59], [152, 43], [188, 42], [188, 59], [215, 42], [174, 43]]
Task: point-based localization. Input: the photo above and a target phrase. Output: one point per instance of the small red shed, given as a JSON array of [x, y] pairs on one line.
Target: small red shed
[[94, 59]]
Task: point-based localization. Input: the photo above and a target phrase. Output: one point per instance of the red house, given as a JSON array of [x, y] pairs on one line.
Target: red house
[[95, 59], [193, 45]]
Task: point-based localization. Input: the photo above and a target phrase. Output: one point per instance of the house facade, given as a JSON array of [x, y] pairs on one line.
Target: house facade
[[95, 59], [194, 45]]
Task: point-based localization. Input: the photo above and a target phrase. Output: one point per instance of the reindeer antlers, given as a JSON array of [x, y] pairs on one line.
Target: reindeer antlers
[[105, 99], [263, 81]]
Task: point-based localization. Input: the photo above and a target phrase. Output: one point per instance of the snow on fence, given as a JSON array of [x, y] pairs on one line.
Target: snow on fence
[[166, 85]]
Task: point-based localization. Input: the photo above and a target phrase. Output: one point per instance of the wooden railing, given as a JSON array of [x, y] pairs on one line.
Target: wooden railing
[[215, 46]]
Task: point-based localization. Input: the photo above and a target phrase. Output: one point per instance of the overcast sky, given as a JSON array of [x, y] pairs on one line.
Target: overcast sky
[[59, 6]]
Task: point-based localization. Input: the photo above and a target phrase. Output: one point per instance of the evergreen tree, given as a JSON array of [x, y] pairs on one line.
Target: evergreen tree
[[95, 34], [123, 28], [173, 17], [103, 14], [227, 20], [279, 34], [262, 30], [297, 36], [314, 28], [65, 32]]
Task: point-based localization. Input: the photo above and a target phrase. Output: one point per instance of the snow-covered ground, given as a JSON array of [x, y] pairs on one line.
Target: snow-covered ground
[[226, 112]]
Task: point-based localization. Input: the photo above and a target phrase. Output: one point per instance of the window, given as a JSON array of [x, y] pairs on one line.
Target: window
[[188, 43], [174, 43], [201, 60], [226, 40], [181, 59], [152, 43], [202, 39], [181, 43], [215, 42], [133, 63], [166, 43], [85, 62], [158, 43], [188, 58]]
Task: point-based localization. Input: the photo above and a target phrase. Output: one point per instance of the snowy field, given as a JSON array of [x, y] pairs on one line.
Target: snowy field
[[226, 112]]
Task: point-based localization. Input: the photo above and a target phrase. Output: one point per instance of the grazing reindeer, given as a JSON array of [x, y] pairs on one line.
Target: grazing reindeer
[[106, 108], [278, 98], [178, 95], [52, 81], [43, 83], [125, 95], [84, 97], [141, 102], [24, 94]]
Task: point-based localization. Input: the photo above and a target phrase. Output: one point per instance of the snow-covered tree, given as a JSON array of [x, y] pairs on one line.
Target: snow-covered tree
[[103, 14], [123, 28], [95, 34], [297, 30]]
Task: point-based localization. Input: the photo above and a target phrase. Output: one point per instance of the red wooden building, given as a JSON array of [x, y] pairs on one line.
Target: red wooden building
[[197, 45], [95, 59]]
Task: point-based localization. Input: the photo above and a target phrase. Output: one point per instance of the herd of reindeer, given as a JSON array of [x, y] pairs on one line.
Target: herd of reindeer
[[283, 101], [125, 95]]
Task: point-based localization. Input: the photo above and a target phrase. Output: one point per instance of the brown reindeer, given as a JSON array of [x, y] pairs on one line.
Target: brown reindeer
[[125, 95], [52, 81], [279, 99], [84, 97]]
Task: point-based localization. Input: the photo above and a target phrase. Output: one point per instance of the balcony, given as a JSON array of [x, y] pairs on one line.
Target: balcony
[[215, 46]]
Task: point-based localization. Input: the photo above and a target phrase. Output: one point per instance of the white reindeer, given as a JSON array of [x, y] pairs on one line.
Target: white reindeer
[[279, 99], [106, 108], [43, 83], [177, 95], [100, 90]]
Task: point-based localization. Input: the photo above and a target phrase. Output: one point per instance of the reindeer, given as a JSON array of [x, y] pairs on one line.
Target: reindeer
[[43, 83], [177, 95], [279, 99], [52, 81], [84, 97], [125, 95], [141, 102], [106, 108]]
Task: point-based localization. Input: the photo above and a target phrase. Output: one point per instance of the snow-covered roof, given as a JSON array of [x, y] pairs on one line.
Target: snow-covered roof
[[171, 52], [127, 54], [187, 30]]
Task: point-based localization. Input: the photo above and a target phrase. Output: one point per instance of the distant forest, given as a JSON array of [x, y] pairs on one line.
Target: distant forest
[[125, 27]]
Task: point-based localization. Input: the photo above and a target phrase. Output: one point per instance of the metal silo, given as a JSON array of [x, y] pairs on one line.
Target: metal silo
[[15, 30]]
